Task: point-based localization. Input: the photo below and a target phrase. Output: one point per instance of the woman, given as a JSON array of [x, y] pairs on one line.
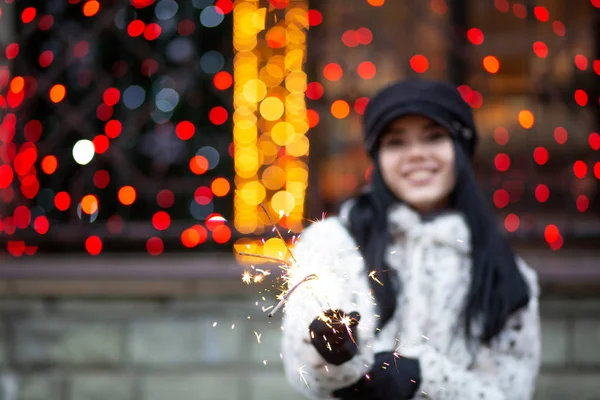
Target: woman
[[424, 296]]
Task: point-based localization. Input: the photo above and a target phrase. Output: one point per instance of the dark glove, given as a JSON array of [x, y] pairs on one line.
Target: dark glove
[[391, 378], [335, 337]]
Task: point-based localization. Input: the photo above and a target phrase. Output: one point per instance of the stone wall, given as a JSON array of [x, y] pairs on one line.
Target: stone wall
[[118, 349]]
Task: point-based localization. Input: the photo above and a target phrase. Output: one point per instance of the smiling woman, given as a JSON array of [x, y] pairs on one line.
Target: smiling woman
[[456, 311], [416, 157]]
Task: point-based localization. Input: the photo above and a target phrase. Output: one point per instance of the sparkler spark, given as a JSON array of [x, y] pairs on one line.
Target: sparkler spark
[[301, 371], [258, 335], [372, 276], [288, 294]]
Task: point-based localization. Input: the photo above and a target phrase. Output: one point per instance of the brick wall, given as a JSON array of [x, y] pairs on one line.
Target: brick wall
[[115, 349]]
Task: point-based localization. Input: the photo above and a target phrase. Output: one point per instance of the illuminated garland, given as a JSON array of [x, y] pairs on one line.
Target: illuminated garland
[[270, 119]]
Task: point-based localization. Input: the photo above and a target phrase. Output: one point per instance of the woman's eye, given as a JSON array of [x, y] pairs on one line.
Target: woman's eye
[[393, 142], [434, 136]]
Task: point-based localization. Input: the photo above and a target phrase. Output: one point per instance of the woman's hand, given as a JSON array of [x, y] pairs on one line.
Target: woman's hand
[[334, 335]]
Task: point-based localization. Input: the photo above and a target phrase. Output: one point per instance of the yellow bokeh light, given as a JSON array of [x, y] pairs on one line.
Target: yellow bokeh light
[[283, 133], [296, 82], [253, 193], [294, 60], [283, 202], [245, 223], [271, 108], [270, 118], [275, 247], [299, 146], [273, 177], [297, 17], [254, 90]]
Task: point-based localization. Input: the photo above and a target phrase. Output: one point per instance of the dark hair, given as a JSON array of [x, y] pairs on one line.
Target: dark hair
[[497, 290]]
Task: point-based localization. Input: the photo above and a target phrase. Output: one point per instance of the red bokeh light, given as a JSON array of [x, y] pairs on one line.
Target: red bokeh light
[[332, 72], [313, 118], [366, 70], [512, 222], [104, 112], [152, 31], [136, 28], [111, 96], [582, 203], [81, 48], [597, 170], [141, 3], [226, 6], [360, 104], [542, 193], [190, 238], [161, 220], [203, 195], [41, 225], [364, 35], [12, 50], [33, 130], [314, 17], [101, 179], [540, 49], [581, 62], [419, 63], [560, 135], [580, 169], [519, 10], [279, 4], [475, 36], [221, 234], [93, 245], [101, 144], [28, 15], [113, 128], [502, 162], [46, 22], [551, 233], [501, 136], [22, 217], [501, 198], [581, 97], [62, 201], [46, 59], [349, 38], [223, 80], [594, 141], [155, 246], [541, 13], [165, 198], [540, 155], [218, 115], [314, 90], [214, 220], [186, 27], [185, 130], [559, 28]]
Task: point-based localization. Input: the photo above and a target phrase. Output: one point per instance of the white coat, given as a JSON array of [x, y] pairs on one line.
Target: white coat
[[434, 265]]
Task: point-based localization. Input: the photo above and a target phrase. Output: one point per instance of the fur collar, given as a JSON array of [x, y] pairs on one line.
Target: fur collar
[[447, 227]]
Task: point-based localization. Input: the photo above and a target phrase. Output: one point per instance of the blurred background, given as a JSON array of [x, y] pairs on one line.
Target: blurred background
[[138, 140]]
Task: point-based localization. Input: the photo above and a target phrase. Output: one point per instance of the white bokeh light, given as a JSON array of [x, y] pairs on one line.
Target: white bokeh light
[[83, 151]]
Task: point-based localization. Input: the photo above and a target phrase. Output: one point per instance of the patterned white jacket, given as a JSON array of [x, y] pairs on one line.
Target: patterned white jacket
[[433, 263]]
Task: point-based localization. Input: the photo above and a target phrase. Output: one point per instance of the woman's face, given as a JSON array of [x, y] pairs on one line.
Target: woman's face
[[416, 157]]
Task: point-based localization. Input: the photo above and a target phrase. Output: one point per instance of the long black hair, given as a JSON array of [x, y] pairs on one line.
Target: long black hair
[[497, 289]]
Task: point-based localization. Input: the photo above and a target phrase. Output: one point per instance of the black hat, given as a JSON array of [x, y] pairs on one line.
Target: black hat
[[439, 101]]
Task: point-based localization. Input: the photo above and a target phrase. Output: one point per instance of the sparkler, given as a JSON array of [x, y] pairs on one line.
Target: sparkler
[[289, 293]]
